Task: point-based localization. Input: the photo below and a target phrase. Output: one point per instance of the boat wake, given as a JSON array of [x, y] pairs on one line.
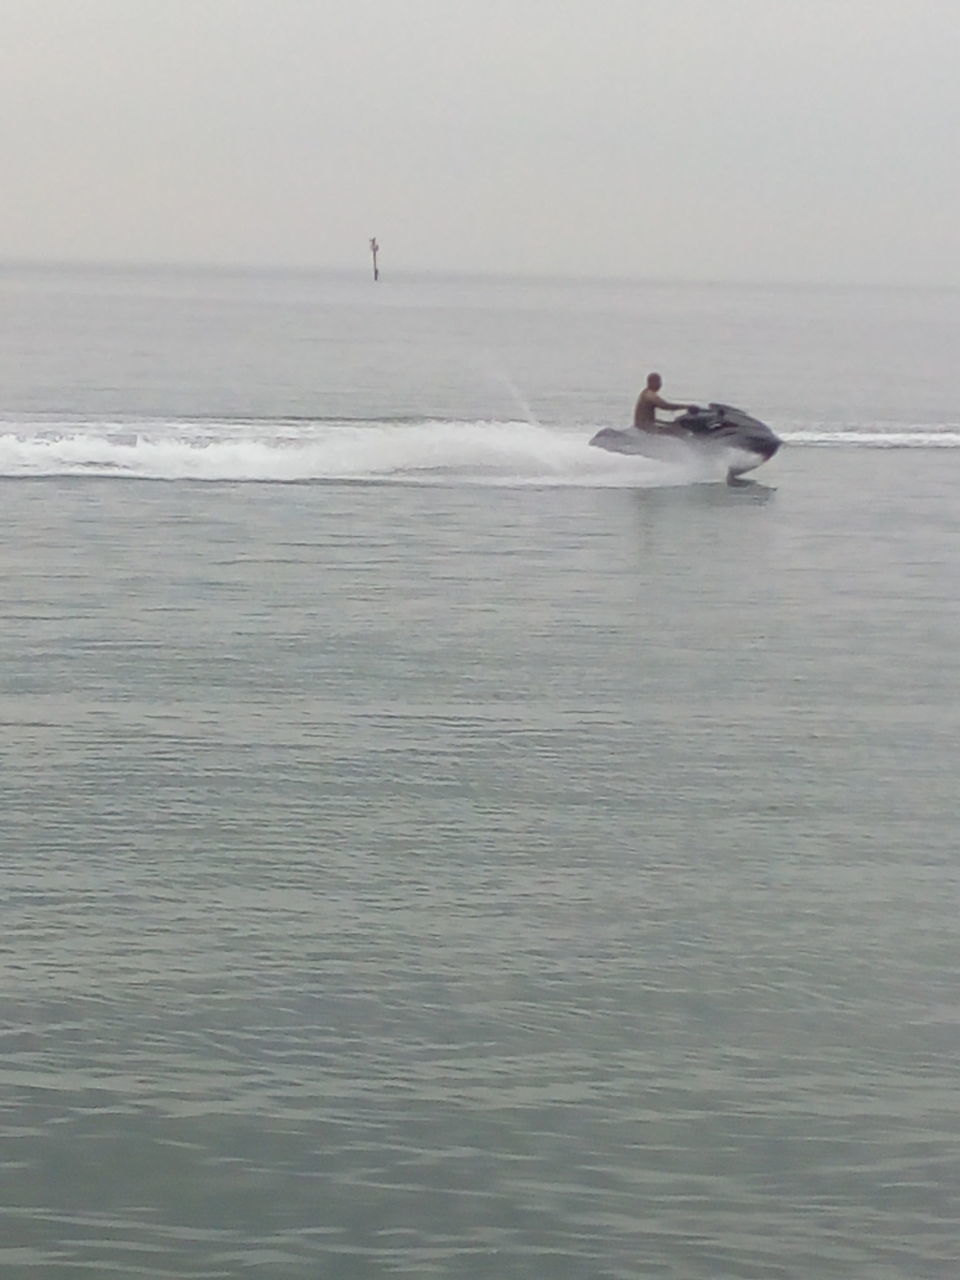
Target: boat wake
[[428, 452], [384, 452], [915, 438]]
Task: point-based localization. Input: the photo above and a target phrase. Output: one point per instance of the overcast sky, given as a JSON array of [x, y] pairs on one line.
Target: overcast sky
[[697, 139]]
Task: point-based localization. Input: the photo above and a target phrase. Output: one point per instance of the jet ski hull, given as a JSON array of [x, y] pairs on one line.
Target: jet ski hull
[[718, 433]]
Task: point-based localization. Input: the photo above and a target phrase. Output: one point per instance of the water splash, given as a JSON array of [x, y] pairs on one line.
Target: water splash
[[417, 452], [495, 368], [491, 453]]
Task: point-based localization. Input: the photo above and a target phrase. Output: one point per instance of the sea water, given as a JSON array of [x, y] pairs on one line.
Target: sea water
[[434, 848]]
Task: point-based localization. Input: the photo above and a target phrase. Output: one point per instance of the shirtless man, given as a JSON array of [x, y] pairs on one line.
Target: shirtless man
[[645, 414]]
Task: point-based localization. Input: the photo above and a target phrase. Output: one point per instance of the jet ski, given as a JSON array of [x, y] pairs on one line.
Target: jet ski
[[717, 433]]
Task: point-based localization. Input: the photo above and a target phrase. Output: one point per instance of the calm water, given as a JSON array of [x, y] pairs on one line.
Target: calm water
[[474, 859]]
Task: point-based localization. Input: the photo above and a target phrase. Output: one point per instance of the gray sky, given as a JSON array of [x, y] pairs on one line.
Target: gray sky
[[701, 139]]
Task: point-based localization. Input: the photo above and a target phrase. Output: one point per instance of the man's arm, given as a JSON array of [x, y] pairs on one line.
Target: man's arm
[[644, 415], [660, 403]]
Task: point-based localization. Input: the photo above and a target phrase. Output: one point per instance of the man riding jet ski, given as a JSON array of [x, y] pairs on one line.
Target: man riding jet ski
[[718, 432]]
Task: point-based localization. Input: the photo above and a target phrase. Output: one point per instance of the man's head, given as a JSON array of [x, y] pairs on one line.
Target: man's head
[[654, 381]]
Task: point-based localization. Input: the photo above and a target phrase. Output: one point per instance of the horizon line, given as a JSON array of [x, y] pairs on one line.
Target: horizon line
[[408, 272]]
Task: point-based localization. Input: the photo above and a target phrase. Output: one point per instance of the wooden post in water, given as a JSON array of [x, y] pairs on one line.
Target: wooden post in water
[[375, 249]]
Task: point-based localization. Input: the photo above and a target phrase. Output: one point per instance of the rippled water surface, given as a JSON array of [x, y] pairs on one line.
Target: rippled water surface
[[515, 874]]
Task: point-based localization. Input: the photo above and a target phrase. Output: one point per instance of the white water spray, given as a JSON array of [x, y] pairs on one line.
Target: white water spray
[[458, 453], [494, 367], [428, 452]]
